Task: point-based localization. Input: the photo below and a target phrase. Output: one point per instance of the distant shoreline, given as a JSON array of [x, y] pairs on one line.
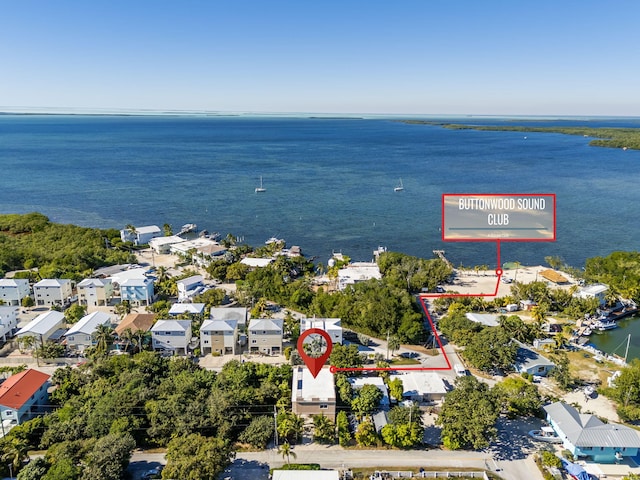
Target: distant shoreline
[[624, 138]]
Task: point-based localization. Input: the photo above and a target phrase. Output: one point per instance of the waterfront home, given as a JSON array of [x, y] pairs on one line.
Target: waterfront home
[[23, 396], [358, 272], [587, 437], [265, 336], [421, 386], [531, 362], [140, 235], [171, 335], [312, 396], [358, 382], [8, 321], [95, 292], [137, 291], [13, 290], [190, 286], [200, 251], [597, 290], [48, 325], [219, 336], [192, 310], [53, 291], [82, 334], [239, 314], [254, 263], [332, 326], [162, 245]]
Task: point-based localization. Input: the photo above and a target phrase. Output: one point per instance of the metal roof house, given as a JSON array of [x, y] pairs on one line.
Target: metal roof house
[[44, 326], [587, 436], [82, 334], [530, 361]]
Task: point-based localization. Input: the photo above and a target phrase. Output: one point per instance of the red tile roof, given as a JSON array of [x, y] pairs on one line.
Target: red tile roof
[[18, 388]]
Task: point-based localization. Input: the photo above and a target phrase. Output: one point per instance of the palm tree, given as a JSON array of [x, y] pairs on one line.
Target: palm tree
[[286, 451], [139, 337], [131, 230], [393, 344], [168, 231], [15, 452], [104, 338], [127, 337], [123, 308]]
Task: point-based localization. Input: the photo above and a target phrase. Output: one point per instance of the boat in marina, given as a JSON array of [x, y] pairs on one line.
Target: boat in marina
[[399, 187], [187, 227], [261, 188], [602, 325]]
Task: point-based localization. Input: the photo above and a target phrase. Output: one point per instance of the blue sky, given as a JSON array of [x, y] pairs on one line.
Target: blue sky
[[516, 57]]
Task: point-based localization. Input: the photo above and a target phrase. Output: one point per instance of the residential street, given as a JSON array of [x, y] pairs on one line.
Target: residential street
[[511, 461]]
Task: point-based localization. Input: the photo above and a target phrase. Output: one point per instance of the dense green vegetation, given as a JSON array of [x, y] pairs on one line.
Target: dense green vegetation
[[109, 406], [58, 251], [619, 270], [604, 137], [470, 411], [626, 392]]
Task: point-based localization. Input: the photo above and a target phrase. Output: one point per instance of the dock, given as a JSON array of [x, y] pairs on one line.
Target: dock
[[440, 255]]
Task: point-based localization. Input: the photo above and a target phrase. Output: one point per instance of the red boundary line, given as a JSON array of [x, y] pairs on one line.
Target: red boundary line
[[433, 328]]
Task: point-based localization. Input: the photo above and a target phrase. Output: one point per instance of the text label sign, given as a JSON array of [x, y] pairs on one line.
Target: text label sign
[[516, 217]]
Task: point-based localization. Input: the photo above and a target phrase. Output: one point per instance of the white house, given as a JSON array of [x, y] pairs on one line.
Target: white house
[[95, 292], [358, 382], [358, 272], [252, 262], [22, 396], [530, 361], [82, 334], [188, 287], [172, 335], [52, 291], [8, 321], [200, 250], [421, 386], [483, 318], [13, 290], [265, 335], [219, 336], [45, 326], [137, 291], [192, 309], [239, 314], [142, 235], [596, 290], [162, 245], [332, 326], [313, 396]]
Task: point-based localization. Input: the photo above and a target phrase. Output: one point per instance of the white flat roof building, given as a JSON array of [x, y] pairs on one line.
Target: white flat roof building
[[333, 326], [358, 272], [483, 318], [191, 308], [256, 262], [312, 396], [359, 382], [422, 386]]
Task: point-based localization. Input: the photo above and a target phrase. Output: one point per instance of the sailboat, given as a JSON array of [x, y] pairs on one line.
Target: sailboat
[[260, 189], [399, 188]]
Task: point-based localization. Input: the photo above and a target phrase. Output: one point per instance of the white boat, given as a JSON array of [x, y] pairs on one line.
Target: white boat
[[188, 227], [399, 188], [602, 326], [260, 189], [545, 434]]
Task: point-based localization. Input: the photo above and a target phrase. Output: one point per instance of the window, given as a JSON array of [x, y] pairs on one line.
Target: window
[[8, 413], [323, 406], [254, 341], [206, 341]]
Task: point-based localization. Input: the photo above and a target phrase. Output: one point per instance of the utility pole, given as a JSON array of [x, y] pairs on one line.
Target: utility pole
[[275, 422]]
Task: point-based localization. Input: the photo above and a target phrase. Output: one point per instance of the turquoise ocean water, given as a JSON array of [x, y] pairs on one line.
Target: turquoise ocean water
[[330, 181]]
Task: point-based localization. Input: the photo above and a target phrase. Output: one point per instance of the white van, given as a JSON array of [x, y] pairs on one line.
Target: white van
[[460, 370]]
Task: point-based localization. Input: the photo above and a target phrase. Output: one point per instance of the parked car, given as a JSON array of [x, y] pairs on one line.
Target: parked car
[[154, 473]]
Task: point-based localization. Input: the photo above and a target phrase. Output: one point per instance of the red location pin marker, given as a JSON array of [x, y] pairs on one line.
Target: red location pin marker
[[314, 364]]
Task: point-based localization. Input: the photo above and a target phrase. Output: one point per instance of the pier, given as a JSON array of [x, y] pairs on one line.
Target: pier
[[440, 255]]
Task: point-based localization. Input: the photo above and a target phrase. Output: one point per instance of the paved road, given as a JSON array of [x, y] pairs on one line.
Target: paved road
[[511, 463]]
